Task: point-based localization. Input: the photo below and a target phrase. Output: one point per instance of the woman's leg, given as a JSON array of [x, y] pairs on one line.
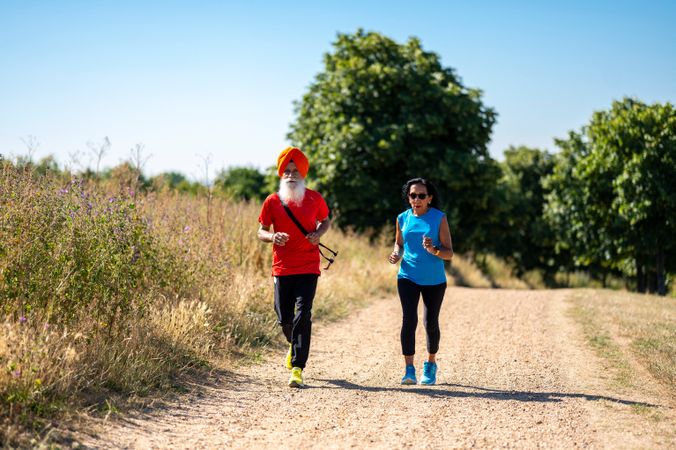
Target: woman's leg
[[409, 295], [433, 296]]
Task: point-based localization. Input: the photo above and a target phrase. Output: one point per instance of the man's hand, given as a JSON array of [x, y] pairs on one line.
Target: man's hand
[[394, 257], [280, 238], [314, 237]]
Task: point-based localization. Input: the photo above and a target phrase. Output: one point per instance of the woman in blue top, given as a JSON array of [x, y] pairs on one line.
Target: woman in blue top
[[422, 242]]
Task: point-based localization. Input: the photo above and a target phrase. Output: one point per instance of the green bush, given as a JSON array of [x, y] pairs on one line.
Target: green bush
[[68, 252]]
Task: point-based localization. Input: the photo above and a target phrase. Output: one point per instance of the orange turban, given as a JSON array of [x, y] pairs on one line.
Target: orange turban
[[289, 154]]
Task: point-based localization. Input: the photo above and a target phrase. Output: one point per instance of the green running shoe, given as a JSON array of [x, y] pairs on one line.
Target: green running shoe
[[289, 355], [296, 379]]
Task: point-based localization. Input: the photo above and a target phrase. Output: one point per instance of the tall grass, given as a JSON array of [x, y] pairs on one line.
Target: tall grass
[[115, 292]]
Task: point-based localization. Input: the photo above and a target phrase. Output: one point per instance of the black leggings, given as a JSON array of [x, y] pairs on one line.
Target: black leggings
[[409, 294], [293, 304]]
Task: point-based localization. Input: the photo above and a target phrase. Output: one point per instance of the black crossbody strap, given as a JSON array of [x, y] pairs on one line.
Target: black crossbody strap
[[293, 218], [305, 233]]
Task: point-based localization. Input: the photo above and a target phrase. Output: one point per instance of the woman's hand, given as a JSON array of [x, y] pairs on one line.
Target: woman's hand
[[428, 244], [394, 257]]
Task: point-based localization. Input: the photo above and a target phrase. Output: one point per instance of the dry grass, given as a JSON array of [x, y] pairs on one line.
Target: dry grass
[[500, 273], [623, 326], [484, 271], [202, 292], [463, 272]]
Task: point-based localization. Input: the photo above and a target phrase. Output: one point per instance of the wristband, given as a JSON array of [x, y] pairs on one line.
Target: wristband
[[436, 251]]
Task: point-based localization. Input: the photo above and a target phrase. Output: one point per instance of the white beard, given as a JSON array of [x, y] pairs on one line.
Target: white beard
[[290, 194]]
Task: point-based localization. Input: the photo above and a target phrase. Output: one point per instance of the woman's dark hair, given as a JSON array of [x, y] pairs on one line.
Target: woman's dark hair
[[431, 190]]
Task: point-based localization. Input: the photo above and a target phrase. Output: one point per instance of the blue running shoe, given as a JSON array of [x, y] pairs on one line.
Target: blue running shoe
[[429, 376], [409, 376]]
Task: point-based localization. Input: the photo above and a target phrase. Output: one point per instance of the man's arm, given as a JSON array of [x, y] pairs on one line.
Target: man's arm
[[322, 228], [265, 235]]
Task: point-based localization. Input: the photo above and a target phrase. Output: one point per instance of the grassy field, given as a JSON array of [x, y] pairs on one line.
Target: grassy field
[[623, 327]]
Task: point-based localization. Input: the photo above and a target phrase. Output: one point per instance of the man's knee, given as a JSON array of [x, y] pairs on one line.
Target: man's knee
[[303, 316], [287, 329]]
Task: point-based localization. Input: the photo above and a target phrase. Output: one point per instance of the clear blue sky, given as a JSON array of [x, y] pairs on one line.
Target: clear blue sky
[[198, 77]]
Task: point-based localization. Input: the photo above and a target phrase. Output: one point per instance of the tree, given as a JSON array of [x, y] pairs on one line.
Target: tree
[[525, 237], [47, 166], [167, 180], [381, 113], [619, 174], [242, 183]]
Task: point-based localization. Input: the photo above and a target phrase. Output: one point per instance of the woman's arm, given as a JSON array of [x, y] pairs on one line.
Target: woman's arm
[[445, 250], [395, 256]]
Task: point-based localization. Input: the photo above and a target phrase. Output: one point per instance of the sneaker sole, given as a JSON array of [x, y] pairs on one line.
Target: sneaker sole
[[409, 382], [428, 384], [294, 384]]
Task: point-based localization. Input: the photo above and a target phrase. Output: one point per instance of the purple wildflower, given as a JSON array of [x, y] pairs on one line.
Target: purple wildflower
[[17, 373], [23, 319], [186, 228]]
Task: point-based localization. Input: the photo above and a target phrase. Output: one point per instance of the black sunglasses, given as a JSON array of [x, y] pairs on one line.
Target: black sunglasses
[[420, 196]]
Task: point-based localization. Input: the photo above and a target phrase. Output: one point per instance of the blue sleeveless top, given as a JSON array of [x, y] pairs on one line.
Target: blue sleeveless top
[[417, 264]]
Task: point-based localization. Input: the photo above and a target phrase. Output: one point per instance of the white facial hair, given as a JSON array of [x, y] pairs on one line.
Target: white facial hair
[[292, 194]]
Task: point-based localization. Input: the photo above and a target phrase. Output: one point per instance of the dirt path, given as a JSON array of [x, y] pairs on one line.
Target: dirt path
[[513, 372]]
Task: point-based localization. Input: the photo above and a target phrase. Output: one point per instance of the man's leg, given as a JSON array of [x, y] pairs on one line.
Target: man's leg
[[284, 304], [304, 294]]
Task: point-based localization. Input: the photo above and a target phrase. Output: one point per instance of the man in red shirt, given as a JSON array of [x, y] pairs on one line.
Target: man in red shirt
[[295, 256]]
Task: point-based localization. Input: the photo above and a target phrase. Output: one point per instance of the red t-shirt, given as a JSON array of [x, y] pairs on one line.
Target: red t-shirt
[[298, 256]]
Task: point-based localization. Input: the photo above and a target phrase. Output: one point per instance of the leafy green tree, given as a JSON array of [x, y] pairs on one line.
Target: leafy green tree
[[525, 237], [564, 208], [243, 183], [381, 113], [47, 166], [169, 180], [176, 181], [271, 183], [615, 184]]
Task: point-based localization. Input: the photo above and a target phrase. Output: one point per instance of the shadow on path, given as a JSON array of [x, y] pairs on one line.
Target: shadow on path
[[445, 390]]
